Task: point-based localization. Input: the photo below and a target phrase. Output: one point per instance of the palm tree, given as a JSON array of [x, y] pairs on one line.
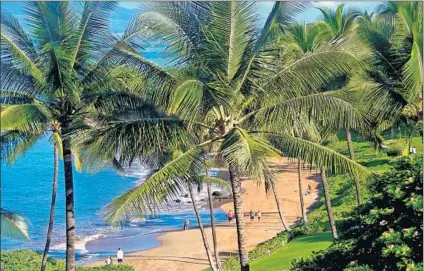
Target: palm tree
[[59, 72], [393, 81], [328, 204], [52, 207], [335, 25], [280, 212], [228, 57], [302, 204], [13, 225], [23, 121], [202, 230], [213, 226]]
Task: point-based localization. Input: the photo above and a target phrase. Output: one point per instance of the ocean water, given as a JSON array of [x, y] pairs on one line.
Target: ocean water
[[26, 189]]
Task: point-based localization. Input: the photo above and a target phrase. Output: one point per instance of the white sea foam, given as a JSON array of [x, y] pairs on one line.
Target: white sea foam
[[141, 234], [80, 244]]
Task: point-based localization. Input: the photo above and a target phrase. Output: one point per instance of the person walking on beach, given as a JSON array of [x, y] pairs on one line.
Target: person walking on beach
[[252, 216], [230, 216], [259, 215], [186, 224], [120, 256], [308, 190]]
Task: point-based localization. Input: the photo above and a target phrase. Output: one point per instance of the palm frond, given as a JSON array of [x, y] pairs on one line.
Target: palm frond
[[312, 70], [316, 155], [93, 27], [162, 185], [281, 16], [327, 108], [13, 225], [16, 143], [247, 151], [15, 45], [31, 118], [413, 75], [136, 132]]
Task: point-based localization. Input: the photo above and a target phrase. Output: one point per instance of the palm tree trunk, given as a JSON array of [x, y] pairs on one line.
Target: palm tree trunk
[[280, 213], [202, 230], [302, 203], [215, 242], [70, 215], [238, 211], [352, 157], [328, 204], [52, 206]]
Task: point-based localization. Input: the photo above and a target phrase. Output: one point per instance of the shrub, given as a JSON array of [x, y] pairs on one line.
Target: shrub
[[19, 260], [335, 258], [386, 232], [393, 152], [232, 263]]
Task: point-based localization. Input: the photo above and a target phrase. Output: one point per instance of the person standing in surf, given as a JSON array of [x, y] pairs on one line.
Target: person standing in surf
[[186, 224]]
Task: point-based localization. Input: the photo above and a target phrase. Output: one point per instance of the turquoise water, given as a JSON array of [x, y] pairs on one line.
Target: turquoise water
[[26, 188]]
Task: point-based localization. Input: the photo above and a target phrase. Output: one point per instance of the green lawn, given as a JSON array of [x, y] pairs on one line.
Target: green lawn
[[301, 246]]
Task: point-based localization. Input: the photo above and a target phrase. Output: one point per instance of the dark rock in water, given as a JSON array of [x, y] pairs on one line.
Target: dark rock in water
[[186, 196], [177, 200], [202, 199], [189, 201], [217, 193]]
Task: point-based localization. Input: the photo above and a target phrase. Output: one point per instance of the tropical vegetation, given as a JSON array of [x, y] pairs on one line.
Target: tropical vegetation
[[233, 94], [18, 260]]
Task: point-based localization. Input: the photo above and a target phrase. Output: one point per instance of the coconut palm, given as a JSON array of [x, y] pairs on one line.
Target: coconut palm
[[13, 225], [337, 23], [23, 121], [328, 204], [302, 204], [394, 80], [229, 85], [199, 181], [59, 73], [213, 227]]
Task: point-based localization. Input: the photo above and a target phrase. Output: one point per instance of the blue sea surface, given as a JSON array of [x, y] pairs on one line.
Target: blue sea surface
[[26, 188]]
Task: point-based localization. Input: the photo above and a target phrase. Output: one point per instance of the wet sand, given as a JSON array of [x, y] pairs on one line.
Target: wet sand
[[184, 250]]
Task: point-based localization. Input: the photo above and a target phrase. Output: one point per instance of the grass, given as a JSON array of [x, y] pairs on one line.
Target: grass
[[342, 190], [300, 246]]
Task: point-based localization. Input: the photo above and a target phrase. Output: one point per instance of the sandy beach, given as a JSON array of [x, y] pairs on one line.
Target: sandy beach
[[184, 250]]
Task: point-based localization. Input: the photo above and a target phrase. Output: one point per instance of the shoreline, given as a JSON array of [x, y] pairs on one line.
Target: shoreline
[[184, 250]]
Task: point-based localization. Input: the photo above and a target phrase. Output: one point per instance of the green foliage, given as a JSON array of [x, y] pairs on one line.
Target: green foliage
[[22, 260], [13, 225], [332, 259], [300, 246], [263, 249], [342, 190], [386, 232], [393, 152]]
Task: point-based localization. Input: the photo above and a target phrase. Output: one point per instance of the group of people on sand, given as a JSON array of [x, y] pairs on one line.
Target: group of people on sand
[[119, 257], [252, 215]]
